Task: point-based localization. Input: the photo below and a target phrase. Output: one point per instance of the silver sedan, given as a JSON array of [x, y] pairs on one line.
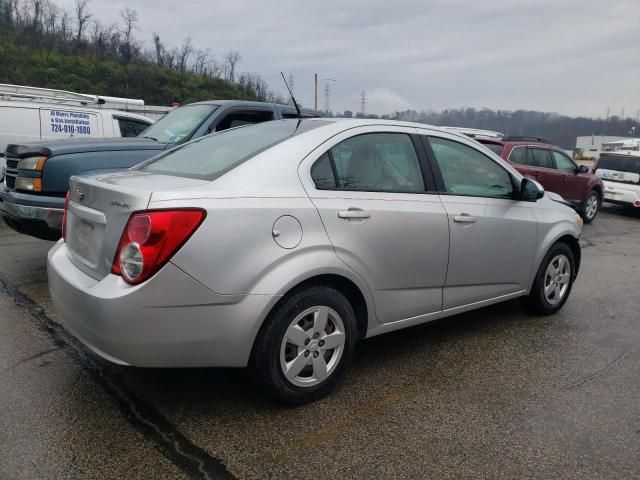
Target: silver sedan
[[278, 246]]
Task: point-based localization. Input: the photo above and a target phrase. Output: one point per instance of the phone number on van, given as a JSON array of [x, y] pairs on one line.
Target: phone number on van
[[80, 129]]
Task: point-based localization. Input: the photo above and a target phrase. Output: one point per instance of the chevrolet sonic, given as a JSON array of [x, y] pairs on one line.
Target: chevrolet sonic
[[278, 246]]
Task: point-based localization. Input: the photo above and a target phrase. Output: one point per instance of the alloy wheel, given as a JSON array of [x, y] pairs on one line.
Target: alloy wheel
[[312, 346], [556, 279], [592, 206]]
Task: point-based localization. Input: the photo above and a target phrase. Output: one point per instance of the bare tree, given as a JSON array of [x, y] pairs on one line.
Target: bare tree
[[50, 17], [130, 18], [82, 16], [159, 48], [37, 15], [65, 29], [230, 61], [185, 52], [126, 47]]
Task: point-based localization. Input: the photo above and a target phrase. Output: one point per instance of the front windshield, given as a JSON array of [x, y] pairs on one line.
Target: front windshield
[[178, 124]]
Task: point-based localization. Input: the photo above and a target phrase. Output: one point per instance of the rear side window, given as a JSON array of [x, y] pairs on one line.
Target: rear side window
[[539, 157], [518, 155], [241, 118], [322, 173], [211, 156], [374, 162], [495, 148], [130, 127]]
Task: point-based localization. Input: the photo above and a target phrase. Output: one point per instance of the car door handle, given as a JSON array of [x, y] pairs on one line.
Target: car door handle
[[353, 213], [464, 218]]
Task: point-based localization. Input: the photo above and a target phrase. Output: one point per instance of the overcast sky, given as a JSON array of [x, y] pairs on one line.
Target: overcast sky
[[575, 57]]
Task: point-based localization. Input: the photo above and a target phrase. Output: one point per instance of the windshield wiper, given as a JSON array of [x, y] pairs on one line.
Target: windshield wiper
[[152, 138]]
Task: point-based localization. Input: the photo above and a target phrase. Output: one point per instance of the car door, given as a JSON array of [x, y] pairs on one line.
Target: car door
[[493, 236], [541, 163], [380, 211], [571, 183]]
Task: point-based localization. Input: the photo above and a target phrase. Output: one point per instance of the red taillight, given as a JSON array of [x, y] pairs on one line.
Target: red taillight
[[150, 239], [64, 217]]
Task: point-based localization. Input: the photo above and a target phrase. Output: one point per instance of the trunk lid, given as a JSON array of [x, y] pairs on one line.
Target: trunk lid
[[99, 208]]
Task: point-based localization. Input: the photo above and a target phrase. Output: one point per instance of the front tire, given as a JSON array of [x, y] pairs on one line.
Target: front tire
[[553, 282], [591, 207], [305, 345]]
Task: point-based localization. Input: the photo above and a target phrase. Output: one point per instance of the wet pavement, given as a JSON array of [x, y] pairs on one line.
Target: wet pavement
[[494, 393]]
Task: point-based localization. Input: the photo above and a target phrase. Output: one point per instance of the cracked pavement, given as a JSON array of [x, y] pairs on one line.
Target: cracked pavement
[[494, 393]]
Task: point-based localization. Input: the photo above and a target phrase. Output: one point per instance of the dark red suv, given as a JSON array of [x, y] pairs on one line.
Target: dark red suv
[[554, 169]]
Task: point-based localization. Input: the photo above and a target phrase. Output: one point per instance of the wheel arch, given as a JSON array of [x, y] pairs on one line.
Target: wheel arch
[[353, 293], [565, 233], [574, 244]]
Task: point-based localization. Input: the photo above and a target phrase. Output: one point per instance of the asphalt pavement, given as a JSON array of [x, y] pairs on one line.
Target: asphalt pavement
[[494, 393]]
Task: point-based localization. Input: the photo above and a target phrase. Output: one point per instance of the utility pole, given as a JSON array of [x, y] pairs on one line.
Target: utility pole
[[363, 103], [315, 81]]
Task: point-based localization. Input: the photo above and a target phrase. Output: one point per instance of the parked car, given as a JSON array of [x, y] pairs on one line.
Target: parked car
[[620, 173], [277, 246], [554, 169], [32, 200], [30, 114]]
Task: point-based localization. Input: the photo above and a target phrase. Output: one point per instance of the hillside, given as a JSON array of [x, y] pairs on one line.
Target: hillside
[[42, 45], [88, 73]]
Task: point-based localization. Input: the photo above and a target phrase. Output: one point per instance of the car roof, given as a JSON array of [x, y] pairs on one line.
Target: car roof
[[515, 143], [251, 103]]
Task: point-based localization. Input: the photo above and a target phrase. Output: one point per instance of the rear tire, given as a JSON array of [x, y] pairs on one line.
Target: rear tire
[[591, 207], [553, 282], [305, 346]]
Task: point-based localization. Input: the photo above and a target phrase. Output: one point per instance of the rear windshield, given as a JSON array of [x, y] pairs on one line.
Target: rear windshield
[[619, 163], [211, 156]]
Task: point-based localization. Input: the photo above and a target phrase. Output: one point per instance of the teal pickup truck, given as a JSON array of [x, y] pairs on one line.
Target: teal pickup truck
[[37, 174]]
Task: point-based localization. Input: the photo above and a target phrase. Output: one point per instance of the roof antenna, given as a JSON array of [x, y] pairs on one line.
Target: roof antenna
[[295, 104]]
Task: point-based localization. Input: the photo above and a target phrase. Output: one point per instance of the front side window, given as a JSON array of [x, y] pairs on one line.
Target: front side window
[[466, 171], [374, 162], [539, 157], [563, 162], [179, 124]]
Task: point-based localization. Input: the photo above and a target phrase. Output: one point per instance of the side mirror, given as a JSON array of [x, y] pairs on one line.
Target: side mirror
[[530, 190], [583, 169]]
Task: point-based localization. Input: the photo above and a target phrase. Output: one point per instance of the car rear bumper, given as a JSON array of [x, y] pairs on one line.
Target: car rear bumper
[[622, 193], [169, 321]]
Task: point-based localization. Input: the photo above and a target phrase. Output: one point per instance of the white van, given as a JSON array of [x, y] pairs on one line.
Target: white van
[[30, 114]]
